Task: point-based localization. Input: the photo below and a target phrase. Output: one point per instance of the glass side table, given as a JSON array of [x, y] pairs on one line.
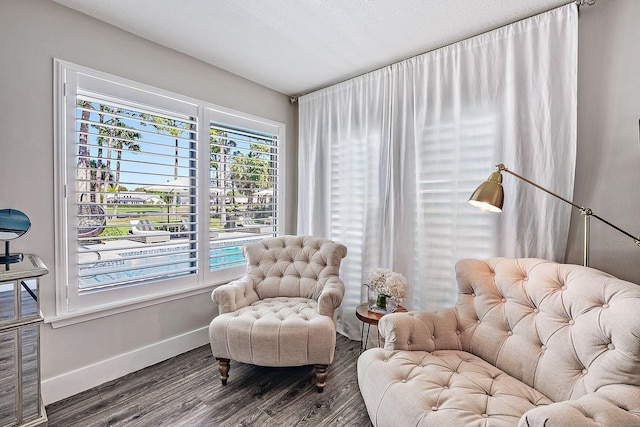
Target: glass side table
[[20, 319]]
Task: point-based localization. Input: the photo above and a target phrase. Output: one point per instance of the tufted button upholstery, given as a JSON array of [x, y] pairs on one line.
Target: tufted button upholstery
[[292, 265], [561, 310], [524, 334], [282, 311], [437, 385], [254, 326]]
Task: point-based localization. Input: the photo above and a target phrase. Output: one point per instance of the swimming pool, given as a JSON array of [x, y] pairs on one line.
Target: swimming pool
[[160, 263]]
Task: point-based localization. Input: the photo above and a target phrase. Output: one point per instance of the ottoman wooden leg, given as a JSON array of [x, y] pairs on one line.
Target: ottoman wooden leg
[[223, 367], [321, 376]]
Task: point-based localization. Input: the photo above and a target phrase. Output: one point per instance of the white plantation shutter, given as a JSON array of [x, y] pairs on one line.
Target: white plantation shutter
[[450, 164], [249, 203], [153, 159], [350, 186]]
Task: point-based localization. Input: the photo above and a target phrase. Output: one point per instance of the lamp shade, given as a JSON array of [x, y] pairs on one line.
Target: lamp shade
[[489, 196]]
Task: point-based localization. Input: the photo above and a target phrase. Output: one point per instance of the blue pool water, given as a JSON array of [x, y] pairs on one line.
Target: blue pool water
[[225, 257], [139, 269]]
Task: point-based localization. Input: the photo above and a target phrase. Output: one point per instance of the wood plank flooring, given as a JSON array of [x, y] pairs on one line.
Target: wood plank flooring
[[186, 391]]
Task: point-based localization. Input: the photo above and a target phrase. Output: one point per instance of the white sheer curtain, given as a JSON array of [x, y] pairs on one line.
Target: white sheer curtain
[[388, 160]]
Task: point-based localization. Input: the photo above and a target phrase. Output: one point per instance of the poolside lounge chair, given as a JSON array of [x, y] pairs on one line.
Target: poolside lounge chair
[[146, 232], [185, 229], [250, 226], [92, 220]]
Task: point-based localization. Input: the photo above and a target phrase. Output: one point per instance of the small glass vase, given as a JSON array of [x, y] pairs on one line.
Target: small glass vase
[[381, 301]]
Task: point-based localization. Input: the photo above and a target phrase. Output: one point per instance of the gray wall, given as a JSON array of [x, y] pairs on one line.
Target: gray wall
[[32, 33], [608, 162]]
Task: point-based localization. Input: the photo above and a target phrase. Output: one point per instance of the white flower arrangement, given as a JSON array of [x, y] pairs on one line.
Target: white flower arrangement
[[386, 282]]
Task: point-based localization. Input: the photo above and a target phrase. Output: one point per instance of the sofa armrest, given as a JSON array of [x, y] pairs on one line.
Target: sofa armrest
[[331, 296], [421, 330], [234, 295], [590, 410]]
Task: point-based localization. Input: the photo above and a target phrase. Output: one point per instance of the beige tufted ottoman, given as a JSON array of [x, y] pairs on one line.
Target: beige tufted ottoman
[[303, 336], [529, 343]]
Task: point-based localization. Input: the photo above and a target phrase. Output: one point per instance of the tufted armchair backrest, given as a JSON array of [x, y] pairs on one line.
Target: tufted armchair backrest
[[565, 330], [293, 266]]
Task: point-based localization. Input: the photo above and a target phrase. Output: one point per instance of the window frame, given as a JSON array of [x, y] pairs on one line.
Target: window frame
[[125, 298]]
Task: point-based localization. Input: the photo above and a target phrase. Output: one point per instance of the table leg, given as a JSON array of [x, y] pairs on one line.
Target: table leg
[[364, 338]]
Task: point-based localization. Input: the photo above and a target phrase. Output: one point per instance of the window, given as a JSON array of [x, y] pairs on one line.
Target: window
[[158, 192]]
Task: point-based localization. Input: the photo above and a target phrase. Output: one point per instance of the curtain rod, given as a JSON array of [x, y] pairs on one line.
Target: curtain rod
[[294, 99]]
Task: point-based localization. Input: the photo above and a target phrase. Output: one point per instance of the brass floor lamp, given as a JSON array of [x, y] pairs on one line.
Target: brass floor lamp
[[489, 196]]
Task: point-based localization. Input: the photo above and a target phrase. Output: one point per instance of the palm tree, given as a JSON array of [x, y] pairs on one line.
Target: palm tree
[[126, 139], [250, 171], [116, 135], [101, 173], [83, 171], [220, 149]]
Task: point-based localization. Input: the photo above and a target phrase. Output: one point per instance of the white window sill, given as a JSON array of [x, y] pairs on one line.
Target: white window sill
[[71, 318]]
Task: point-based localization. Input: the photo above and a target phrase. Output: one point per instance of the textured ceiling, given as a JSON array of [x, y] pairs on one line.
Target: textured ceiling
[[298, 46]]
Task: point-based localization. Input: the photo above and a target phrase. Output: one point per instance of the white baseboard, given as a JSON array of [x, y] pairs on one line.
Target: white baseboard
[[74, 382]]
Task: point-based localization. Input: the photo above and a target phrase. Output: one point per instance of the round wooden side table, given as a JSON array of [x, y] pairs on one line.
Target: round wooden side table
[[369, 318]]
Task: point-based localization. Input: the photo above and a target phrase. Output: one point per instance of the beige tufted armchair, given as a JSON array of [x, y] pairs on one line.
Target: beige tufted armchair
[[282, 311]]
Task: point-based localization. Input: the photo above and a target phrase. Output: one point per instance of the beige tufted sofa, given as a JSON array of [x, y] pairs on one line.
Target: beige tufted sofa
[[529, 343], [282, 311]]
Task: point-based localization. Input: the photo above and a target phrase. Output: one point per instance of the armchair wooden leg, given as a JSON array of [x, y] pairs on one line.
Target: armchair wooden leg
[[321, 376], [223, 367]]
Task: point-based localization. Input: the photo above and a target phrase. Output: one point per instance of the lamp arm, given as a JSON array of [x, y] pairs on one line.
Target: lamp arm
[[502, 167], [635, 239], [585, 211]]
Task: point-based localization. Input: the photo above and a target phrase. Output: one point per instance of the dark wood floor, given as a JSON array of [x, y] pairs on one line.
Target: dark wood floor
[[186, 391]]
